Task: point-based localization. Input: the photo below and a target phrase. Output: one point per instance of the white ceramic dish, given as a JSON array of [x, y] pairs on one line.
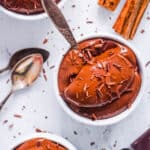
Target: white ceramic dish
[[118, 117], [48, 136], [28, 17]]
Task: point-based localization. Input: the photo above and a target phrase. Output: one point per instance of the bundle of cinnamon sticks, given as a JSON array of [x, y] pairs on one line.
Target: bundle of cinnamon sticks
[[130, 17]]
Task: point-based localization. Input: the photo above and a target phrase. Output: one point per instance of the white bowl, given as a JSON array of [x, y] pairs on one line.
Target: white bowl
[[48, 136], [121, 115], [28, 17]]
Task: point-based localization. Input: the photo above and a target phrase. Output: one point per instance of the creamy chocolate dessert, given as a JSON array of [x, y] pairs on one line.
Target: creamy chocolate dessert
[[40, 144], [100, 78], [24, 6]]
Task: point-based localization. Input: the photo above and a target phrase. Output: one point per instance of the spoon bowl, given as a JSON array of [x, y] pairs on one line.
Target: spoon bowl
[[23, 53], [26, 66], [26, 71]]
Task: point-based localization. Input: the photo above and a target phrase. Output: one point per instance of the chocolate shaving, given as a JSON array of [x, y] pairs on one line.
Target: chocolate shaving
[[117, 66], [45, 41], [17, 116], [147, 64]]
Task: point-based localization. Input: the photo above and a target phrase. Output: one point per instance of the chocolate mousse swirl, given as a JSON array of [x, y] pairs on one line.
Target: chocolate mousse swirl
[[100, 79], [24, 6], [40, 144]]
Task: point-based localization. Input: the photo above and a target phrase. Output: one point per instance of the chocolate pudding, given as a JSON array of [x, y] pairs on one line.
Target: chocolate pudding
[[40, 144], [99, 79], [24, 6]]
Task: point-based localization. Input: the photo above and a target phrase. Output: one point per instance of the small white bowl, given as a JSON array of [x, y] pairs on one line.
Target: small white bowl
[[52, 137], [28, 17], [121, 115]]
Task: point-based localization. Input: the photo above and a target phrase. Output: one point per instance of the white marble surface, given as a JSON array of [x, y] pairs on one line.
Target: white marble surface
[[39, 100]]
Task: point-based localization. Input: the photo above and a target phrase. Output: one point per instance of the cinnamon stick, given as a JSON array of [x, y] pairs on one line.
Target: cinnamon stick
[[130, 17], [109, 4], [139, 17]]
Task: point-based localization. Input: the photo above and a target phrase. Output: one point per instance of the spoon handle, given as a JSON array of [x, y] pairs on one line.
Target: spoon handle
[[5, 100], [4, 69], [59, 20]]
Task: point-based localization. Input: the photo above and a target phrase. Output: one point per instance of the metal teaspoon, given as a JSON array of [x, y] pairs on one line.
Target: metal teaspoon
[[24, 73]]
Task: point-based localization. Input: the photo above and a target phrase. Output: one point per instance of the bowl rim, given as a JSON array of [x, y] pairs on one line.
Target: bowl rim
[[120, 116], [32, 17], [49, 136]]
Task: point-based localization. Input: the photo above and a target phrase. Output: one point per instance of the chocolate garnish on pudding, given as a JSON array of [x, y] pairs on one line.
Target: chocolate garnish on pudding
[[24, 6], [40, 143], [99, 79]]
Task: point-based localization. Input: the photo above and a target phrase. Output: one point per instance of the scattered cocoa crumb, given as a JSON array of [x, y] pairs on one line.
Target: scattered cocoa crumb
[[147, 64], [38, 130], [75, 132], [92, 143], [148, 18], [73, 6], [82, 34], [115, 144], [46, 117], [19, 133], [109, 18], [44, 70], [17, 116], [5, 121], [45, 41], [89, 22], [52, 67], [45, 77], [23, 107], [7, 81], [11, 126], [142, 31], [14, 137]]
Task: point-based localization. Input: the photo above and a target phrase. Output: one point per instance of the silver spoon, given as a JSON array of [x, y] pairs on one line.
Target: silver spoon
[[59, 20], [24, 73], [21, 54]]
